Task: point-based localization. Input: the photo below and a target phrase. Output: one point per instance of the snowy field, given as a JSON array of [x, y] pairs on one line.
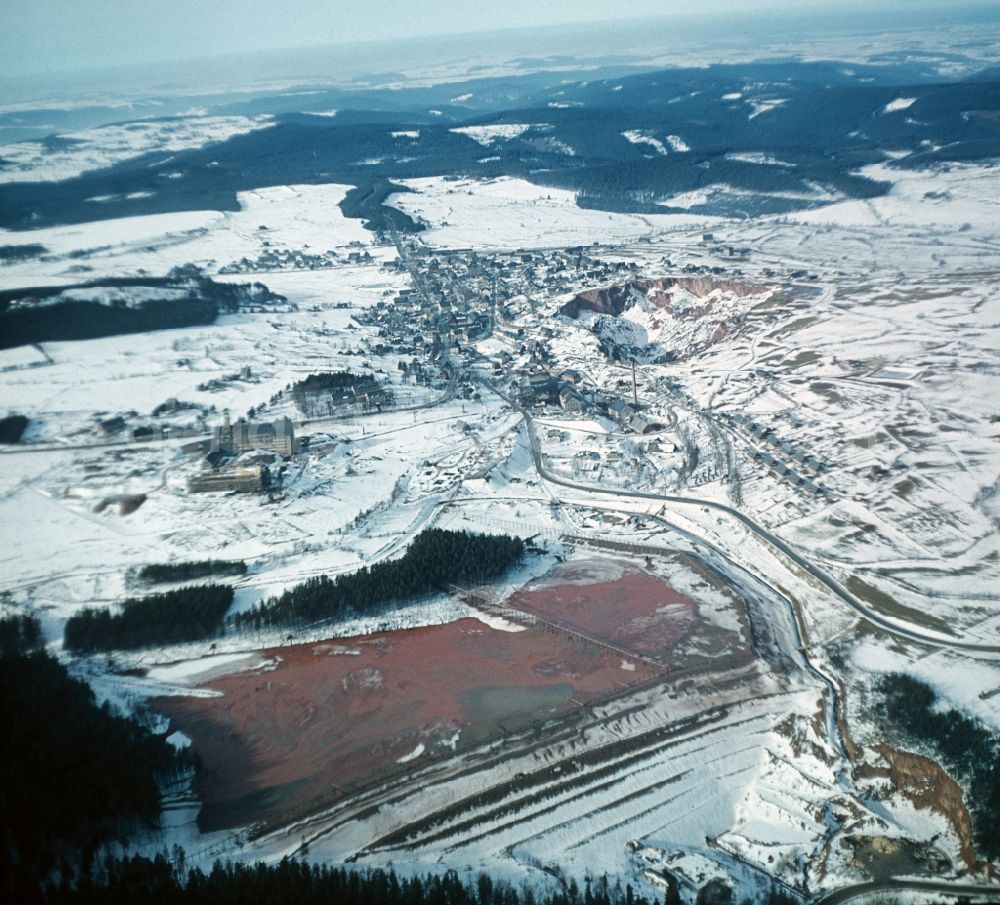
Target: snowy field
[[294, 217], [882, 367], [104, 146], [509, 213]]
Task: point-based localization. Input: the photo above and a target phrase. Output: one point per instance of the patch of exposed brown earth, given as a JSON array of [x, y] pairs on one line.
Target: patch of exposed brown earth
[[616, 299], [925, 783], [796, 729], [850, 746]]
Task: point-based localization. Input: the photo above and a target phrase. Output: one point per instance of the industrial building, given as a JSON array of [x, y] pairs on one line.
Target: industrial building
[[273, 436], [238, 479]]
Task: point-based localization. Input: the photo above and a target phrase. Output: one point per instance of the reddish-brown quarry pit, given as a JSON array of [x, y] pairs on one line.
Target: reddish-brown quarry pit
[[341, 712], [619, 298]]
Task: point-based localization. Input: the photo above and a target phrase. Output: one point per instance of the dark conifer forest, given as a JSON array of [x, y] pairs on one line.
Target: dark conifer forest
[[162, 573], [435, 559], [19, 635], [296, 883], [12, 428], [40, 314], [967, 749], [72, 774], [187, 614]]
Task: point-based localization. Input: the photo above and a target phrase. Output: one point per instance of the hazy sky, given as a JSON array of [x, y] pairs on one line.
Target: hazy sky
[[54, 35]]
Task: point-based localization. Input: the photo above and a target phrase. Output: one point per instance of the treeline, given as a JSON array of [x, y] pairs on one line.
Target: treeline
[[366, 202], [32, 321], [13, 253], [157, 881], [374, 149], [160, 573], [188, 278], [90, 320], [343, 382], [72, 775], [296, 883], [435, 559], [969, 750], [334, 383], [12, 428], [637, 185], [19, 635], [187, 614]]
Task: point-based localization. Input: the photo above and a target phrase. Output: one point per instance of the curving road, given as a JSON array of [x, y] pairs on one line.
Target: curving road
[[862, 892], [909, 633]]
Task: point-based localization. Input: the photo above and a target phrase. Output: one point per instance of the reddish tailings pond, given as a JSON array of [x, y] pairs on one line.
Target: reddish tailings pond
[[335, 714], [612, 603]]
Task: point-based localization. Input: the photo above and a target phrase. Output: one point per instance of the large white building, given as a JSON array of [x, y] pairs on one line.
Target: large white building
[[273, 436]]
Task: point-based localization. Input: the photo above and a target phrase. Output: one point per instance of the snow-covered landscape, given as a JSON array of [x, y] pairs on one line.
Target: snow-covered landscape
[[754, 459]]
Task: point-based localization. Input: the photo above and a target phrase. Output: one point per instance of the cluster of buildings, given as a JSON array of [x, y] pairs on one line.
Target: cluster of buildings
[[274, 258], [240, 454], [461, 299], [460, 303], [541, 386], [244, 375], [443, 306], [792, 461], [232, 439], [629, 415], [325, 394], [741, 252]]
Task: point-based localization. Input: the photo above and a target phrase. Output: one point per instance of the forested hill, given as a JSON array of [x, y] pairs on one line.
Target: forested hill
[[786, 133], [911, 711], [120, 305], [72, 775]]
